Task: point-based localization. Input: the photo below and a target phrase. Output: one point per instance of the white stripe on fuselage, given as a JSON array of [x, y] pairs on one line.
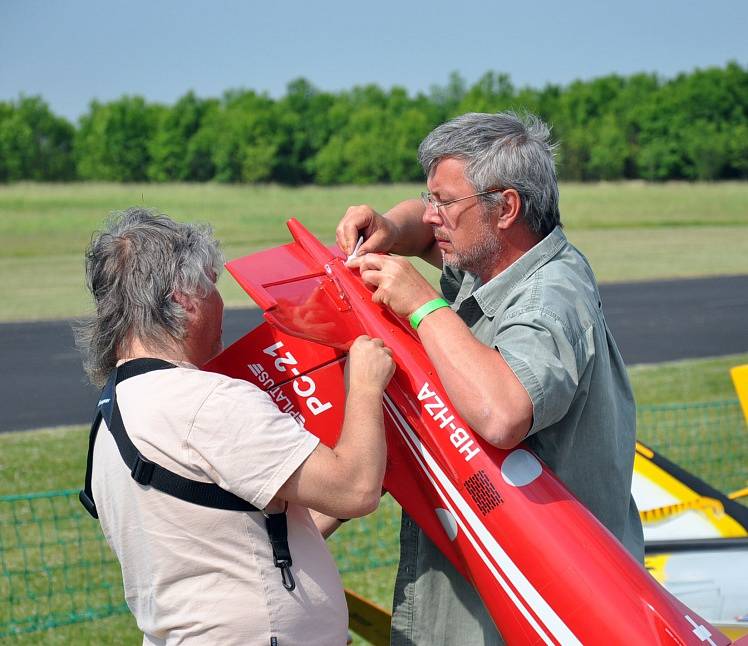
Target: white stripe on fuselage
[[529, 595]]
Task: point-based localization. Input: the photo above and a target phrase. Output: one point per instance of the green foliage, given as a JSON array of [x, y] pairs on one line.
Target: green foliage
[[173, 156], [34, 143], [693, 127], [493, 92], [112, 142], [376, 137]]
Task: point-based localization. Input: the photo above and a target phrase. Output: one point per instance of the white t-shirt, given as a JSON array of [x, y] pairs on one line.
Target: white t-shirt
[[206, 576]]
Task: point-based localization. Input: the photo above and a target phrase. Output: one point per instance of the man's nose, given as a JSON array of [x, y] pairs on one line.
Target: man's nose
[[431, 216]]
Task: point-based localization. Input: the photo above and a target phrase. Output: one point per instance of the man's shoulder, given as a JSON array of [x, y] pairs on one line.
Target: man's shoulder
[[195, 385], [562, 291], [216, 382], [562, 282]]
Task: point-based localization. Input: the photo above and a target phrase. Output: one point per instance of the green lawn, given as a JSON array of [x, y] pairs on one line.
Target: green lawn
[[54, 459], [629, 231]]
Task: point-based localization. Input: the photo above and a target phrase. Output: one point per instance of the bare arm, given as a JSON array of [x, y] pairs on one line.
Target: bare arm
[[346, 481], [325, 524], [481, 385], [400, 230]]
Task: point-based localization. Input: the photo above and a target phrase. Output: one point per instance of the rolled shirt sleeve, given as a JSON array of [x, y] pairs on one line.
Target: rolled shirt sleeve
[[537, 347]]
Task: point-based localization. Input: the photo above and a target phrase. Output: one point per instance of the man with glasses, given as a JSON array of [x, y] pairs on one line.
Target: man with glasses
[[520, 343]]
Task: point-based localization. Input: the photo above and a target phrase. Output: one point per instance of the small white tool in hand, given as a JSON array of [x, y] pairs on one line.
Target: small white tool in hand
[[355, 250]]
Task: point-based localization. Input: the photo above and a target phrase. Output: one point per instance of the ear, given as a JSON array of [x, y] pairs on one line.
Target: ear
[[186, 301], [510, 209]]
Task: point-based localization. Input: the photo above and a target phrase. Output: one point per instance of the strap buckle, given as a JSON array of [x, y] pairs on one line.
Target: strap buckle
[[142, 470], [285, 567], [88, 503]]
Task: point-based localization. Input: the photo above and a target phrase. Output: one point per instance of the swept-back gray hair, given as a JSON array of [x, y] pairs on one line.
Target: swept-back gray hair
[[133, 268], [502, 150]]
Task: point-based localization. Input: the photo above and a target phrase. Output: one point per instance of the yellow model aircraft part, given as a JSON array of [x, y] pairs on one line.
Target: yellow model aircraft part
[[733, 631], [740, 493], [655, 564], [666, 511], [367, 619], [724, 524], [739, 376]]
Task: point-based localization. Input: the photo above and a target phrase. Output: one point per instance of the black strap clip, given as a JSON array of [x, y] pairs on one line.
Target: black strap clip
[[286, 575], [88, 503], [277, 527], [142, 470]]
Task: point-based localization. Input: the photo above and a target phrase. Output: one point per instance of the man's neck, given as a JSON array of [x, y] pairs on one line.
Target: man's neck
[[515, 243], [135, 349]]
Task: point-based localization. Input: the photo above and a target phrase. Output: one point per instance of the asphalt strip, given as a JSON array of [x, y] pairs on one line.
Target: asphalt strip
[[42, 382]]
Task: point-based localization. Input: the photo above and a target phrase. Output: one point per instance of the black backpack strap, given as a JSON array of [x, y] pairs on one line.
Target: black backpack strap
[[149, 473], [278, 533], [86, 494], [143, 470]]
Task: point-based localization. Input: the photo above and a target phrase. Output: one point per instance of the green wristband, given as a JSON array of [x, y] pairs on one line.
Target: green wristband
[[426, 309]]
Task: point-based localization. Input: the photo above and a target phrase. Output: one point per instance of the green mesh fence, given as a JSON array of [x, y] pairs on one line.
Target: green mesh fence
[[57, 569], [708, 439]]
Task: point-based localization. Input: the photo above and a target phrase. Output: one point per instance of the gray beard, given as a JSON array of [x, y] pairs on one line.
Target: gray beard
[[481, 256]]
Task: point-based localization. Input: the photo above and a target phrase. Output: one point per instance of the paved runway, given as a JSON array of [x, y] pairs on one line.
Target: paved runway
[[42, 382]]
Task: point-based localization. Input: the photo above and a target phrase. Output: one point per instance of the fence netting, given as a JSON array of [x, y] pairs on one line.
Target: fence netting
[[57, 569]]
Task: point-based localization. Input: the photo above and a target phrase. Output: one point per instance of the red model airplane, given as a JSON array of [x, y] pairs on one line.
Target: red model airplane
[[546, 569]]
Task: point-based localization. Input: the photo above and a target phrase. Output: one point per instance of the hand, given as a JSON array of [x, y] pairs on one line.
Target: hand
[[398, 284], [369, 364], [379, 233]]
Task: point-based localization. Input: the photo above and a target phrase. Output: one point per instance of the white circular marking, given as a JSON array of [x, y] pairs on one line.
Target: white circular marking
[[448, 522], [520, 468]]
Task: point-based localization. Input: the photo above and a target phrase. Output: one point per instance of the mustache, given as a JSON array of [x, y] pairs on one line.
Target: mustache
[[440, 235]]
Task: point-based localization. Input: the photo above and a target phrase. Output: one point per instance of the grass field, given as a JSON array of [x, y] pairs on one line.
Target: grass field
[[54, 459], [629, 231]]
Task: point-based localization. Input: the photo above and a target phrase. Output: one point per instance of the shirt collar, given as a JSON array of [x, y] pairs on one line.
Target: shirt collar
[[490, 295], [179, 364]]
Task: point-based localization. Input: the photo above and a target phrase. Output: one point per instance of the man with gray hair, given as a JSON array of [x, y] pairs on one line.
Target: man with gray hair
[[520, 344], [202, 486]]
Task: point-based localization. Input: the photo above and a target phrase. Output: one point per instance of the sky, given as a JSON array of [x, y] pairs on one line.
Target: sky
[[73, 51]]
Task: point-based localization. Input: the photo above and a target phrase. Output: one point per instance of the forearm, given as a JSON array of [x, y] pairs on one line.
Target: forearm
[[362, 446], [480, 384], [325, 524], [415, 238]]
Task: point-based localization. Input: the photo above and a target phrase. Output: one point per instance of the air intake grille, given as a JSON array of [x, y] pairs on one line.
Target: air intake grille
[[483, 492]]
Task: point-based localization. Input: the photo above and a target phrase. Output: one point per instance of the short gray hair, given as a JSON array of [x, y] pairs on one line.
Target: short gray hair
[[133, 268], [502, 150]]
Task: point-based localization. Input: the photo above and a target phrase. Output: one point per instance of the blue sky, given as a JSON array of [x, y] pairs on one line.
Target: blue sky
[[73, 51]]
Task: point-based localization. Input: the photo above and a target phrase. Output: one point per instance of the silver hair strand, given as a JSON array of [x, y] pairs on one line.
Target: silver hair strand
[[133, 269], [502, 150]]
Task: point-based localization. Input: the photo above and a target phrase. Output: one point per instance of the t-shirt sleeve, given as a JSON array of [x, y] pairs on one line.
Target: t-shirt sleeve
[[245, 444], [547, 363]]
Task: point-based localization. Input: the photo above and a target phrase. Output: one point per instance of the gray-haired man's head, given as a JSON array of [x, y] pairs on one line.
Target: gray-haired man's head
[[134, 268], [503, 151]]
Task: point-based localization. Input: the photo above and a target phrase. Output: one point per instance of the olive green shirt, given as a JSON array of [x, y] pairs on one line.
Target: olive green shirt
[[544, 314]]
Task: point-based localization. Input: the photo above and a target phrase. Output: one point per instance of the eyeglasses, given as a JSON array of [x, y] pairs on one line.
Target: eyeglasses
[[428, 199]]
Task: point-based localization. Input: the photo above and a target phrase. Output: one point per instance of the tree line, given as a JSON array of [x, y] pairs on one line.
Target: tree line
[[691, 127]]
